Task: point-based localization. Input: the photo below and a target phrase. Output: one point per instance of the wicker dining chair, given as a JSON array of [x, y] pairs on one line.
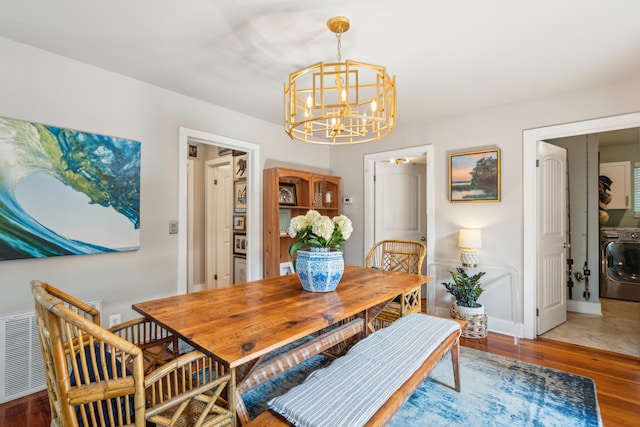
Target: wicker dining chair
[[398, 255], [96, 378], [157, 343]]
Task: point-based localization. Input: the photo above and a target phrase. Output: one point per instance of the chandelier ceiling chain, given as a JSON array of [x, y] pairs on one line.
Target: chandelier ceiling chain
[[338, 36], [340, 103]]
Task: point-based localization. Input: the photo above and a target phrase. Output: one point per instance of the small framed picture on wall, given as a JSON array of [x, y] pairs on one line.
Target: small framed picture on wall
[[286, 268], [239, 223], [239, 269], [240, 167], [474, 176], [193, 151], [287, 194], [240, 196], [240, 244]]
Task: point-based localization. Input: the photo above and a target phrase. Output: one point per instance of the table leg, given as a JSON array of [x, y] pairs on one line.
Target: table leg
[[242, 414], [371, 313], [267, 370], [232, 397]]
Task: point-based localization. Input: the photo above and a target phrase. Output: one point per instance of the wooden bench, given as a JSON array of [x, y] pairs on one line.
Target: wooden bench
[[331, 343], [400, 395]]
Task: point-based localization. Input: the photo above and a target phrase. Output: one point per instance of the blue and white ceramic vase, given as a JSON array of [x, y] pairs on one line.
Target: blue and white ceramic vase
[[319, 269]]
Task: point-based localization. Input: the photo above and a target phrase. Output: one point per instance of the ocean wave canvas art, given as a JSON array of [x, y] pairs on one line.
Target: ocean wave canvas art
[[66, 192]]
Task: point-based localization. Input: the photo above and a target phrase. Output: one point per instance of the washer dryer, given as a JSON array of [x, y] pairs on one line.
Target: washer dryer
[[620, 263]]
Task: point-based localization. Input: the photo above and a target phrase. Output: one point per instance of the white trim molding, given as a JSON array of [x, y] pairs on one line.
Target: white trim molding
[[530, 137], [254, 202]]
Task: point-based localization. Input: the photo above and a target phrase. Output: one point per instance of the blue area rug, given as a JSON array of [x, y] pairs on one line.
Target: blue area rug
[[496, 391]]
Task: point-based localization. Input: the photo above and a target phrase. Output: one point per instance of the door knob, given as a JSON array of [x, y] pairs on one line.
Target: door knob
[[422, 239], [566, 245]]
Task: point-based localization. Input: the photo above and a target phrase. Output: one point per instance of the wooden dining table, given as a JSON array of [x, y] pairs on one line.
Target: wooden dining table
[[240, 324]]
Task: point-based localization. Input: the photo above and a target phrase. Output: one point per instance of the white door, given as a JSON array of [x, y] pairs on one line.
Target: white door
[[552, 185], [218, 222], [400, 202], [190, 226]]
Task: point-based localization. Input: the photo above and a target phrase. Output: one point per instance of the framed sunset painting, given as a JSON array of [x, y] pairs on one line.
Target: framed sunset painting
[[66, 192], [474, 176]]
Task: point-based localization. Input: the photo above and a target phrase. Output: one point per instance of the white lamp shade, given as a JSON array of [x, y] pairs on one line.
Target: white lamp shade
[[470, 238]]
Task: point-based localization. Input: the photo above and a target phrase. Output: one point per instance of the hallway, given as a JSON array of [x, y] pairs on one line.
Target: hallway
[[617, 330]]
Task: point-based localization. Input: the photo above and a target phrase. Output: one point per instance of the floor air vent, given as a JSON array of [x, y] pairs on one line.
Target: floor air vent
[[21, 367]]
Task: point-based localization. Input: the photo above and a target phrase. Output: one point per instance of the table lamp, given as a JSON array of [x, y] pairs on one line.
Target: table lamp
[[469, 239]]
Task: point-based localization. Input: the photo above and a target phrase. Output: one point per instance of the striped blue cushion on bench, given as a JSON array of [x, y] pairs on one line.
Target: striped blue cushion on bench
[[355, 386]]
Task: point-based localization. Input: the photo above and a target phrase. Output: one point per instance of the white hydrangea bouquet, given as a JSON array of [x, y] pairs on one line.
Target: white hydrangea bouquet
[[318, 231]]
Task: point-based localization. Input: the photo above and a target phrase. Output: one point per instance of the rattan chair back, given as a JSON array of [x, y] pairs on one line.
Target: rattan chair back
[[96, 378], [398, 255]]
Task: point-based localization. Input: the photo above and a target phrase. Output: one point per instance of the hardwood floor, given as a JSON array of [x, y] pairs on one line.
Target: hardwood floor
[[617, 378], [30, 411]]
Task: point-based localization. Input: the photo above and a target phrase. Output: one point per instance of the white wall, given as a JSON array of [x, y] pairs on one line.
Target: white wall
[[502, 223], [41, 87]]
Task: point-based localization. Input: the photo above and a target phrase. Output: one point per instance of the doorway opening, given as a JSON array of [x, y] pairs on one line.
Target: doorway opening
[[252, 235], [423, 158], [598, 249], [531, 278]]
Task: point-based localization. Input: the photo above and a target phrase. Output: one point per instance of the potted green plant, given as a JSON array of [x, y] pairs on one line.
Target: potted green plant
[[466, 290]]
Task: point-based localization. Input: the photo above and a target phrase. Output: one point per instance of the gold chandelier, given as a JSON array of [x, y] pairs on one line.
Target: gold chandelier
[[339, 103]]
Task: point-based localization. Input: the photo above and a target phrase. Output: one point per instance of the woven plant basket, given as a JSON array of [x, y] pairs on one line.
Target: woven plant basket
[[476, 320]]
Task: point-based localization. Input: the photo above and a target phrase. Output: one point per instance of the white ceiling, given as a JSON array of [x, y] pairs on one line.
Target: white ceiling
[[448, 56]]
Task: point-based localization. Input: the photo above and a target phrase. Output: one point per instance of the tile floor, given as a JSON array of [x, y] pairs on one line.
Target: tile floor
[[617, 330]]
